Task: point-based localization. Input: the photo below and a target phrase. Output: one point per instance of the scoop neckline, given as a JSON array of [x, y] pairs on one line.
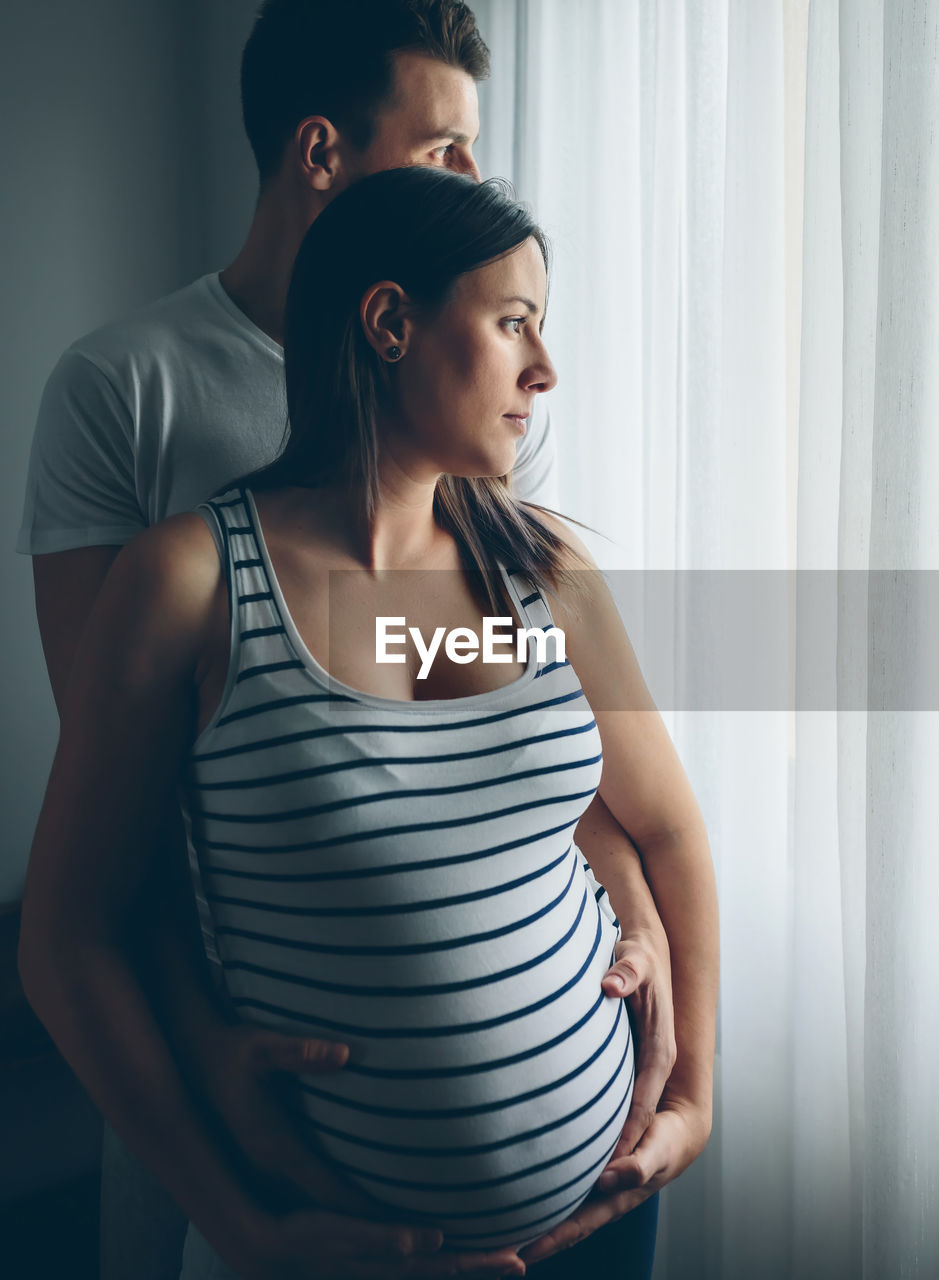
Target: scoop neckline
[[414, 706]]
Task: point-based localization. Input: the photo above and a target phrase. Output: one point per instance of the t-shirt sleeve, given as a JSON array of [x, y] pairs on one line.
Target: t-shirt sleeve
[[534, 477], [81, 485]]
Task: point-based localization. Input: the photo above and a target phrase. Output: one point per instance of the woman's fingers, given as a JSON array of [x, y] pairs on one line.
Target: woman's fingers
[[670, 1144], [641, 965], [269, 1051], [676, 1137], [633, 967], [595, 1213]]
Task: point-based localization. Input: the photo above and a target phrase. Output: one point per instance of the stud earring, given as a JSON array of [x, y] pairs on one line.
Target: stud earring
[[394, 353]]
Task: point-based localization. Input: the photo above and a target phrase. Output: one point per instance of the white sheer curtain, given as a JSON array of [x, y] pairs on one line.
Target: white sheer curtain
[[743, 200]]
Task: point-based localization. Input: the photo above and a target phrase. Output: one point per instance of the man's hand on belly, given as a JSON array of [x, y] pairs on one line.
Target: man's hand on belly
[[641, 975], [240, 1069], [315, 1245], [346, 1233]]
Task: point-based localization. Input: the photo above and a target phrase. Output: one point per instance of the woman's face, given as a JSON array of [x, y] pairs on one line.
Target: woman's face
[[471, 371]]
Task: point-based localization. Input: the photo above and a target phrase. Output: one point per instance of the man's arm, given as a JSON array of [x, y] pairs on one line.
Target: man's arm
[[66, 585]]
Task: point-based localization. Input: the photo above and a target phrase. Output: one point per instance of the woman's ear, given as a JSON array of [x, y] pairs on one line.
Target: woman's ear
[[387, 320]]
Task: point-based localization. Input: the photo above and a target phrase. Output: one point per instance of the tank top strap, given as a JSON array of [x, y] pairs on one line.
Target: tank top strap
[[534, 611], [258, 635]]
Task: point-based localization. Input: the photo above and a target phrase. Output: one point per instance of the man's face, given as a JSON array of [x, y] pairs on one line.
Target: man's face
[[432, 118]]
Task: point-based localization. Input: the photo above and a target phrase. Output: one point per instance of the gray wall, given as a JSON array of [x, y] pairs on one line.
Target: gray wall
[[125, 174]]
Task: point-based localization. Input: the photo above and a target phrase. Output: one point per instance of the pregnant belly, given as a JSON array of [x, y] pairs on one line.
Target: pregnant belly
[[489, 1078]]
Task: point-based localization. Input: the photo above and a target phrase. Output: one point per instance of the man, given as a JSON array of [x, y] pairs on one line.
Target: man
[[148, 417]]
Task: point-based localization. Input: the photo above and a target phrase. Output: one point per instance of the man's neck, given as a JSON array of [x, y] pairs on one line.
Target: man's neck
[[258, 278]]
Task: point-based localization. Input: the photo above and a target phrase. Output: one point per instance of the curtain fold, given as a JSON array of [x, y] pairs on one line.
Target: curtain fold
[[900, 1166], [744, 312]]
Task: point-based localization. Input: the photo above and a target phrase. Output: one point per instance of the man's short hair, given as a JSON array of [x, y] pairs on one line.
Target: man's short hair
[[333, 58]]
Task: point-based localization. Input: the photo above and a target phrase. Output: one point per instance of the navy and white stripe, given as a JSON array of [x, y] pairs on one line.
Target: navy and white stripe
[[401, 876]]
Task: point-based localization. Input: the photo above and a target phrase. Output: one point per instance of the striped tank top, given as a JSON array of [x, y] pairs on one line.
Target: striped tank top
[[401, 876]]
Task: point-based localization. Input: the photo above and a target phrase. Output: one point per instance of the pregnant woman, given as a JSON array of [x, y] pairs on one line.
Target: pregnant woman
[[382, 832]]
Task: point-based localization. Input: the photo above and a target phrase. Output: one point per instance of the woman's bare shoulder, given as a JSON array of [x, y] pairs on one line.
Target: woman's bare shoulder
[[597, 643], [168, 578], [178, 547]]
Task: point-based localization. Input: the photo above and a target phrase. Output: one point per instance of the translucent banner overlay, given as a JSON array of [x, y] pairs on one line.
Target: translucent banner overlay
[[709, 640], [807, 640]]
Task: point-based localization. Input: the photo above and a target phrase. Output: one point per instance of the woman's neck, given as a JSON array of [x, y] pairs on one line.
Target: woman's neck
[[402, 534]]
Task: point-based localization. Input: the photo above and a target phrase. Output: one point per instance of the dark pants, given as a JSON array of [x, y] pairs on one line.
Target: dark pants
[[623, 1250]]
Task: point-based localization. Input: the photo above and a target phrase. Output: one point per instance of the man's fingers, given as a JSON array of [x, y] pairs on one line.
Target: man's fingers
[[376, 1249], [319, 1242], [299, 1055], [378, 1239], [626, 975], [505, 1262]]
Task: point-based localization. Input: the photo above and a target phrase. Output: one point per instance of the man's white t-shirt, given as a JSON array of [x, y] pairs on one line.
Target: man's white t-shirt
[[151, 415]]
